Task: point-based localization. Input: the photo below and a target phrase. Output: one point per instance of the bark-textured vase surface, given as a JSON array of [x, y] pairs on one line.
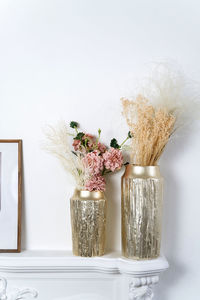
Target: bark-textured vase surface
[[142, 193], [88, 220]]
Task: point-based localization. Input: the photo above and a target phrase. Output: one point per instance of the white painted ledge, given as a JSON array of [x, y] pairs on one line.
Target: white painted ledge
[[114, 277], [61, 261]]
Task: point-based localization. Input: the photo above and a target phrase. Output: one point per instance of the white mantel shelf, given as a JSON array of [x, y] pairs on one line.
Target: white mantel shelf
[[63, 261], [59, 265]]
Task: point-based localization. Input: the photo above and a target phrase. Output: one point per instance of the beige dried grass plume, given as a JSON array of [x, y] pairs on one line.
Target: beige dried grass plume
[[151, 130], [162, 105]]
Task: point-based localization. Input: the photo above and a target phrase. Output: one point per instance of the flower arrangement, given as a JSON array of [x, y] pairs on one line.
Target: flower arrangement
[[163, 105], [85, 158]]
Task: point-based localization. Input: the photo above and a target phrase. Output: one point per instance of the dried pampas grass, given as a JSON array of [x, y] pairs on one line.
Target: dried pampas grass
[[163, 104], [58, 143]]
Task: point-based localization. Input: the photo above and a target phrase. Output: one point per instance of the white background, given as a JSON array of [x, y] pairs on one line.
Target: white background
[[73, 60]]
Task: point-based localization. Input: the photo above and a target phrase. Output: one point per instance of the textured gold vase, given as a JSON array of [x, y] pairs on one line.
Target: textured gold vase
[[141, 196], [88, 219]]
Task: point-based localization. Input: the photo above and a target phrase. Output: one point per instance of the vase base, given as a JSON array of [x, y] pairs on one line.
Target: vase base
[[82, 255], [140, 258]]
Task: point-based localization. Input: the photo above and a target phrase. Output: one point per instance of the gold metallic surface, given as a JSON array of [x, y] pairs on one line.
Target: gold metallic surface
[[88, 219], [141, 196]]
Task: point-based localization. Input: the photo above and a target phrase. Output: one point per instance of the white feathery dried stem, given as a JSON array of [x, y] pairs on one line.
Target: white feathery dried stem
[[168, 88], [58, 143]]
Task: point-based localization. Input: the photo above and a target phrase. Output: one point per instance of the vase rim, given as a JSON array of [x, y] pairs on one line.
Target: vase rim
[[89, 195], [142, 171]]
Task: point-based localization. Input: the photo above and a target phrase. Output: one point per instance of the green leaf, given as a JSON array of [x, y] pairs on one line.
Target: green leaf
[[130, 135], [79, 172], [73, 124], [114, 144], [79, 136]]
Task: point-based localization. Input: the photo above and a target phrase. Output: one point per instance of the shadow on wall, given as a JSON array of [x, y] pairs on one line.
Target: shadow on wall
[[113, 222], [170, 232], [171, 217], [23, 215]]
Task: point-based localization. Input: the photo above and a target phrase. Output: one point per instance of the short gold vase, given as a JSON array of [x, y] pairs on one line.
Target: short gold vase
[[88, 220], [141, 205]]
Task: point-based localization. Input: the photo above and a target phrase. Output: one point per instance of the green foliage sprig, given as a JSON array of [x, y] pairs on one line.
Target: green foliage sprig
[[114, 142]]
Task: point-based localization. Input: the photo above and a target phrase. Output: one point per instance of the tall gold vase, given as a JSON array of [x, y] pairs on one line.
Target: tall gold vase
[[141, 196], [88, 220]]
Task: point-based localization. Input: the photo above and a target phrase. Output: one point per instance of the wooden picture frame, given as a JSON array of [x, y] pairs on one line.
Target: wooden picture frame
[[10, 190]]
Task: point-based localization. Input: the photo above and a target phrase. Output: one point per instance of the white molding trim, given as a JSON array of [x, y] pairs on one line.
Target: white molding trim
[[135, 278], [17, 295], [142, 288], [65, 262], [3, 288]]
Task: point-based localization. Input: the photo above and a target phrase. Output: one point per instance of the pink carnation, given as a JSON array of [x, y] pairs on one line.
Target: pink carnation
[[89, 136], [91, 140], [76, 144], [96, 183], [93, 162], [90, 143], [101, 147], [113, 159]]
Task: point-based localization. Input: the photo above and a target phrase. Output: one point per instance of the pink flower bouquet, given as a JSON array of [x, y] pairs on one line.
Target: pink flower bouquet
[[84, 156], [97, 160]]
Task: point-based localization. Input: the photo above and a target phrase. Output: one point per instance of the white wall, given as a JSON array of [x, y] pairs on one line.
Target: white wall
[[73, 60]]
